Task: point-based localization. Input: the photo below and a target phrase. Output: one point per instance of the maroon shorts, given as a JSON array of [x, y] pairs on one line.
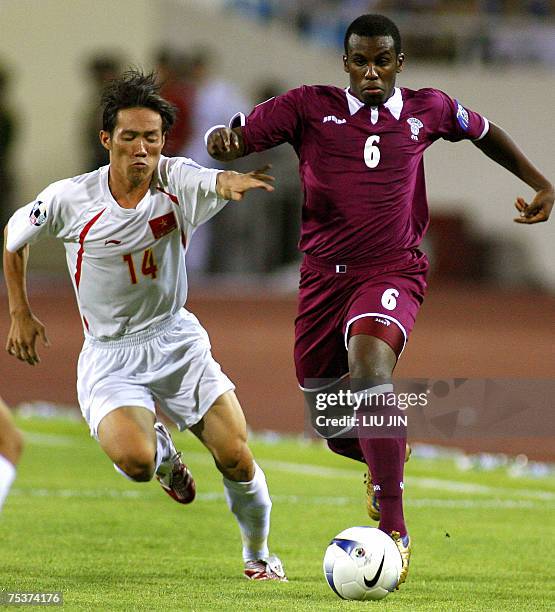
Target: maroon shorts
[[337, 301]]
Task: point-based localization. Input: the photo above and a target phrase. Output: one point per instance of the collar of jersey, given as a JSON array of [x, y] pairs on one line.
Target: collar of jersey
[[104, 172], [394, 105]]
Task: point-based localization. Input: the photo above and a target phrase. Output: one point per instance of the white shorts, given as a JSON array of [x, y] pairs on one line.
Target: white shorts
[[169, 363]]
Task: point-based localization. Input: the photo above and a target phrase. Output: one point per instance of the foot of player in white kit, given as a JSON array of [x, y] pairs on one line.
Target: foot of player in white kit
[[173, 475], [249, 501], [269, 568]]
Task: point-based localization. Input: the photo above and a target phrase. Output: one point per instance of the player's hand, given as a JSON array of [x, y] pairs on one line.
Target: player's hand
[[22, 338], [233, 185], [224, 144], [539, 208]]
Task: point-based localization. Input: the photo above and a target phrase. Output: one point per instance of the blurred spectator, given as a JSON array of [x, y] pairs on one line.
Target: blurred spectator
[[492, 7], [216, 99], [101, 69], [540, 8], [261, 235], [261, 9], [173, 70], [437, 30], [8, 129]]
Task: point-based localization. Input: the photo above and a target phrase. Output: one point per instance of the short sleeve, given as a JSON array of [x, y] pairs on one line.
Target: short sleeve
[[33, 221], [195, 189], [458, 122], [275, 121]]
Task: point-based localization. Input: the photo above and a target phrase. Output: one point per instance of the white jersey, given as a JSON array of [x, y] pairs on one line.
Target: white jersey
[[127, 265]]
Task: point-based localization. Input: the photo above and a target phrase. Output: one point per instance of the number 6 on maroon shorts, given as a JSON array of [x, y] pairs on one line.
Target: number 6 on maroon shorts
[[381, 302]]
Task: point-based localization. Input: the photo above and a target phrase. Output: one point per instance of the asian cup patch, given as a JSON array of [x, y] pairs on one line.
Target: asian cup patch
[[38, 213]]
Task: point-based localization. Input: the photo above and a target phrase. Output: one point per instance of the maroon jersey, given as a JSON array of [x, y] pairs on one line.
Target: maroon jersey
[[361, 167]]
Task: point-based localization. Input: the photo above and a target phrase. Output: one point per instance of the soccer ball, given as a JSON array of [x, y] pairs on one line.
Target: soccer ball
[[362, 563]]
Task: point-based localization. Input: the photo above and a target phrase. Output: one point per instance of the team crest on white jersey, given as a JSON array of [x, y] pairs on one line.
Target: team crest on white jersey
[[415, 126], [334, 119], [38, 213], [462, 116]]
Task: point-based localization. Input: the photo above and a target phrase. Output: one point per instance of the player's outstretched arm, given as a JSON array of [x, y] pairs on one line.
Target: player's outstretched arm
[[498, 146], [225, 144], [233, 185], [25, 327]]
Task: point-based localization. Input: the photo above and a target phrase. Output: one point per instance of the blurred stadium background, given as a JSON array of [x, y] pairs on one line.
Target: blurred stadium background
[[490, 311]]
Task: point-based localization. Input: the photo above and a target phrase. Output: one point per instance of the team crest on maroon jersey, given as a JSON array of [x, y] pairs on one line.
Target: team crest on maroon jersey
[[415, 126]]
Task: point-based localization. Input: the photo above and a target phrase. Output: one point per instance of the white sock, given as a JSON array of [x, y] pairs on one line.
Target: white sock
[[251, 504], [164, 451], [7, 476]]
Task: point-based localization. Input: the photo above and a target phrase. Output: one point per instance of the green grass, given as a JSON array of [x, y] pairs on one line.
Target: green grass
[[73, 525]]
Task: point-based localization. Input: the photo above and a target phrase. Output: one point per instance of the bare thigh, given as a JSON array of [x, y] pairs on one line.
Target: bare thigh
[[127, 436], [223, 430]]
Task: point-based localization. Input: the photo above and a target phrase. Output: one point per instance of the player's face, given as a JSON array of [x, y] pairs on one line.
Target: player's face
[[372, 65], [135, 145]]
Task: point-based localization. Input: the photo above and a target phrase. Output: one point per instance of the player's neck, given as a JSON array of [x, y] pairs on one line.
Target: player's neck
[[126, 193]]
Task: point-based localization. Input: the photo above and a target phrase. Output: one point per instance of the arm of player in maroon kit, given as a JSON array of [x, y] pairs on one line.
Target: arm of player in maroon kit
[[25, 327], [500, 147], [225, 144]]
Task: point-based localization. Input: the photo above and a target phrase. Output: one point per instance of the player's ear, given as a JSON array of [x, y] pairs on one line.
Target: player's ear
[[345, 65], [105, 139], [400, 62]]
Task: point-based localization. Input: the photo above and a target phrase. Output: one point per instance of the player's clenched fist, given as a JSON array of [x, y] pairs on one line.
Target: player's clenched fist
[[538, 210], [224, 144]]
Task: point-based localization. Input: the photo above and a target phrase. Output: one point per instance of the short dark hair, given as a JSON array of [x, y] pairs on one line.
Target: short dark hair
[[135, 89], [374, 25]]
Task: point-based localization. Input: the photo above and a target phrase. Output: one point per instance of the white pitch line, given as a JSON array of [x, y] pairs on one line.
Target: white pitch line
[[54, 440], [419, 482], [317, 500]]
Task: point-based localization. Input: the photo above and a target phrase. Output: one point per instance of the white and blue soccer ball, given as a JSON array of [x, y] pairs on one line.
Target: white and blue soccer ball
[[362, 563]]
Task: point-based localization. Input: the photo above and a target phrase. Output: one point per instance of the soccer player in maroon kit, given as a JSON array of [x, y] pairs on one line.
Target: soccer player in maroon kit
[[365, 212]]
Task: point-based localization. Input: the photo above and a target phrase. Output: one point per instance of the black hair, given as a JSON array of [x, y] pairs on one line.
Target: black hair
[[374, 25], [135, 89]]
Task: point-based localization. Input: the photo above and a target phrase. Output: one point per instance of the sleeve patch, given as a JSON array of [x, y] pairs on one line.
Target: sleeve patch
[[38, 213], [462, 116]]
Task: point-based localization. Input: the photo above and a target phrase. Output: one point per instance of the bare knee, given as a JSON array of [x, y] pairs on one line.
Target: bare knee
[[236, 463], [11, 445], [138, 465], [127, 436]]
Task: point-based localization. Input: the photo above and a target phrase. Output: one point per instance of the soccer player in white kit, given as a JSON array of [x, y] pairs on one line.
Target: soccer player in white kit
[[126, 228], [11, 445]]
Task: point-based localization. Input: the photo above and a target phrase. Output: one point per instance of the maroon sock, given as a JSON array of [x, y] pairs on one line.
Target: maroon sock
[[347, 447], [385, 458]]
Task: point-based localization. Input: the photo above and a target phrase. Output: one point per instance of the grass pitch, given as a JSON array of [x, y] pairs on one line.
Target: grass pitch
[[482, 541]]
